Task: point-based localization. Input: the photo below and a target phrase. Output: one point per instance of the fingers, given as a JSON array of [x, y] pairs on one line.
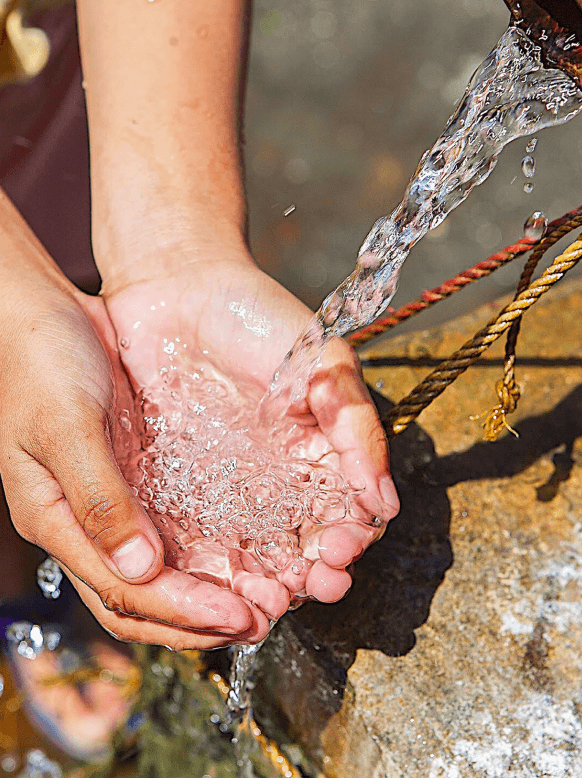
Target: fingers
[[270, 595], [104, 504], [346, 415], [132, 629], [327, 584], [339, 546], [176, 598]]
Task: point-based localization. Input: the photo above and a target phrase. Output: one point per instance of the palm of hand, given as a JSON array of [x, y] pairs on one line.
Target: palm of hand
[[242, 330]]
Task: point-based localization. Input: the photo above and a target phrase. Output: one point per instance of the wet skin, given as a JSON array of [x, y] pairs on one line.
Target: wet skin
[[241, 325]]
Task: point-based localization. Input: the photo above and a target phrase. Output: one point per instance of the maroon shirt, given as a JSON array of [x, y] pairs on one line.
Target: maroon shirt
[[44, 150]]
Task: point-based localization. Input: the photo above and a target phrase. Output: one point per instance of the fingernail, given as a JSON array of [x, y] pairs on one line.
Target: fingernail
[[134, 558], [388, 494]]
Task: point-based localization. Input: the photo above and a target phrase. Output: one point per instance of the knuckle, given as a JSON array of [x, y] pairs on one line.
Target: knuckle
[[179, 644], [98, 516], [112, 599]]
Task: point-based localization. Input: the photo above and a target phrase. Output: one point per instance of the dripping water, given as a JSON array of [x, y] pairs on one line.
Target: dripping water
[[510, 95]]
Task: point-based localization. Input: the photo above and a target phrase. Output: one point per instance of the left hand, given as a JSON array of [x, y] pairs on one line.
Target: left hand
[[243, 323]]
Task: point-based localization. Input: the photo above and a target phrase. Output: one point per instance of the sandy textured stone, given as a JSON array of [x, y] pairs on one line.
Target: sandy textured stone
[[457, 653]]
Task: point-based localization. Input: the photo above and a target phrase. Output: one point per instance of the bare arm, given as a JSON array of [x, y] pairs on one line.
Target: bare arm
[[163, 91]]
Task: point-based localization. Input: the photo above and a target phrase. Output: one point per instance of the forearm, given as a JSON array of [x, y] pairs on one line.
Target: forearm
[[27, 273], [162, 81]]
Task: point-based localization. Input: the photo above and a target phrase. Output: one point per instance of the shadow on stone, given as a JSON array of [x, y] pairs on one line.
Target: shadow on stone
[[308, 654], [537, 436]]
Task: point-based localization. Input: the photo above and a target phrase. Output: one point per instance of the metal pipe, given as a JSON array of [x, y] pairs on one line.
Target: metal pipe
[[556, 27]]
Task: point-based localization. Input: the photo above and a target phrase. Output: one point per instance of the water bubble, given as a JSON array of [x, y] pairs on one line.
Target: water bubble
[[328, 506], [328, 481], [207, 524], [528, 187], [274, 548], [528, 166], [289, 512], [531, 146], [299, 475], [261, 490], [535, 226], [215, 493]]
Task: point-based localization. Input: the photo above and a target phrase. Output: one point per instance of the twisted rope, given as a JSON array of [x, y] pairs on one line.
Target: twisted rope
[[555, 230], [508, 391], [434, 384], [431, 296]]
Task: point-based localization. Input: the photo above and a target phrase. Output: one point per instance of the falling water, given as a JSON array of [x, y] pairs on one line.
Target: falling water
[[509, 96]]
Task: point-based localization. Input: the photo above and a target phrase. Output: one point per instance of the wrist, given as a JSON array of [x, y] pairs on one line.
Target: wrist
[[149, 235], [164, 248]]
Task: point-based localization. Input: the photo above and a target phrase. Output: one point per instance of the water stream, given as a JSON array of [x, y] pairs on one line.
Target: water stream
[[510, 95]]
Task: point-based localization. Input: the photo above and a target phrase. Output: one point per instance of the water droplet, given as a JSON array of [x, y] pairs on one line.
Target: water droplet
[[298, 564], [528, 187], [380, 384], [528, 166], [202, 32], [531, 146], [536, 225], [124, 342]]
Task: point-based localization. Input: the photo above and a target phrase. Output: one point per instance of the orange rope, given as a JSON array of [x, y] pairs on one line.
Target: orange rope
[[555, 230]]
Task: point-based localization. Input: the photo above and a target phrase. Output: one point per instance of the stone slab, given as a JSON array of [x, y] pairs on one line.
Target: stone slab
[[457, 654]]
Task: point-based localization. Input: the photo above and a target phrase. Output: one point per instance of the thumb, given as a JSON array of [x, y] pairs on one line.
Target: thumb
[[105, 506]]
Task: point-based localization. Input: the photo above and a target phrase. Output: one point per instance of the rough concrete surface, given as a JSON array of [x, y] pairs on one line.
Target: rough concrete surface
[[457, 653]]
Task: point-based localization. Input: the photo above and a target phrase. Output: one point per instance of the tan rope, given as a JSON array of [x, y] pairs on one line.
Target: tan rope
[[508, 391], [434, 384]]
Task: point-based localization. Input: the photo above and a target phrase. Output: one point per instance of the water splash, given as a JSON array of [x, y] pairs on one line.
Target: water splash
[[509, 96], [238, 705], [239, 697], [220, 493]]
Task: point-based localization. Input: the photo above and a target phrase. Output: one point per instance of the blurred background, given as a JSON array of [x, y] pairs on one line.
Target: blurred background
[[344, 96]]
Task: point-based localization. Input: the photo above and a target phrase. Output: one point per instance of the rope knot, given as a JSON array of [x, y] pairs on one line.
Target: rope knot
[[508, 394]]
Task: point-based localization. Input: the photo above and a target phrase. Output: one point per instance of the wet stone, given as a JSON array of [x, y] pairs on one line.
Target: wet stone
[[457, 652]]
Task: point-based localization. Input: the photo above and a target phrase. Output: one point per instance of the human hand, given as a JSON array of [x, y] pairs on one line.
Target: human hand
[[237, 321], [60, 376]]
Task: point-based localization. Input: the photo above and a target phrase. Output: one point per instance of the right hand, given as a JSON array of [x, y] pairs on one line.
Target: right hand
[[60, 378]]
